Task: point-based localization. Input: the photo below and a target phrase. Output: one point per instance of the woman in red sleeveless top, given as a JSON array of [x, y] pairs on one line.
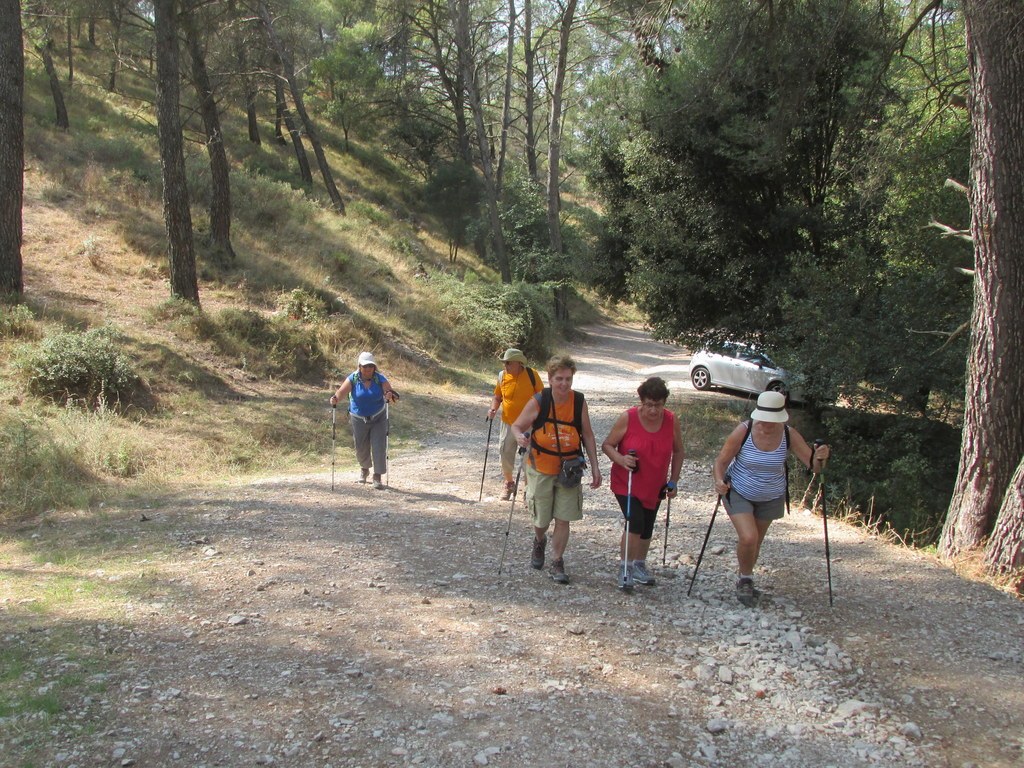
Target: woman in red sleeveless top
[[645, 440]]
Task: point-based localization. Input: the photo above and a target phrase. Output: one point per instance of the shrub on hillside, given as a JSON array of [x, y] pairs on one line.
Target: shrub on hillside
[[492, 317], [278, 346], [35, 473], [76, 365], [303, 306], [16, 321]]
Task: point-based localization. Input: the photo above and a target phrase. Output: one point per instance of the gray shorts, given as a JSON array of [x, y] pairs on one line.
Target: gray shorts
[[735, 504]]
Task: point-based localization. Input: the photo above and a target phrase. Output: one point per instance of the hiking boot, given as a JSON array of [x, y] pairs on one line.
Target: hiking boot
[[510, 490], [746, 593], [558, 571], [640, 573], [363, 474], [625, 577], [537, 556], [377, 483]]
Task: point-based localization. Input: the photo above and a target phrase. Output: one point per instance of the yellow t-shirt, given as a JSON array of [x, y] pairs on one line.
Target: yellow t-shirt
[[515, 392]]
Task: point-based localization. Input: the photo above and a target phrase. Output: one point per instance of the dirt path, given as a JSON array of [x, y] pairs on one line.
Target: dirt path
[[289, 625]]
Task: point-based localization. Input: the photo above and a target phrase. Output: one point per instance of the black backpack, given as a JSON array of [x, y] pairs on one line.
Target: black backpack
[[546, 414]]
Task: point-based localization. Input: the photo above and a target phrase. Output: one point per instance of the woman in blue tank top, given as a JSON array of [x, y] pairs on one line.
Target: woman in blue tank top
[[368, 393], [750, 476]]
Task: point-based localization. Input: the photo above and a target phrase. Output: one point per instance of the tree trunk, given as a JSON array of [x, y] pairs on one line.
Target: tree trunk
[[220, 179], [1005, 550], [70, 50], [12, 143], [993, 433], [115, 53], [529, 59], [60, 110], [177, 216], [506, 103], [314, 138], [250, 112], [555, 130], [460, 12], [285, 115], [251, 93]]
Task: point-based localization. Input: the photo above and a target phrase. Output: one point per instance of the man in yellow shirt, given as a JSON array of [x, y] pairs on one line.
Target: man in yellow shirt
[[516, 384]]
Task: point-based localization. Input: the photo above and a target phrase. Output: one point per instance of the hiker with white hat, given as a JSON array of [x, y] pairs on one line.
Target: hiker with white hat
[[750, 476], [369, 394]]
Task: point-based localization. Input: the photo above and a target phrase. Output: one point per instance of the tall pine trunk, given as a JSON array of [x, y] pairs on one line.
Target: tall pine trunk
[[555, 155], [463, 44], [284, 115], [60, 110], [288, 70], [12, 146], [220, 178], [993, 432], [177, 216]]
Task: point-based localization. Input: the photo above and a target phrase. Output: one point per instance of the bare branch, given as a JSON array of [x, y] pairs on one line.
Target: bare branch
[[963, 234]]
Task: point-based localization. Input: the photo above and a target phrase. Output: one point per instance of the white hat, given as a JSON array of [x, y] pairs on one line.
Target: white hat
[[771, 406], [513, 355], [366, 358]]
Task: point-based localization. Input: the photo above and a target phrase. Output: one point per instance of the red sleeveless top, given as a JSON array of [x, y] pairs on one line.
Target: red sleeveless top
[[653, 453]]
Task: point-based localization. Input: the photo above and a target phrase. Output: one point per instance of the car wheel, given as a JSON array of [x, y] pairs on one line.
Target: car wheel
[[777, 386], [701, 378]]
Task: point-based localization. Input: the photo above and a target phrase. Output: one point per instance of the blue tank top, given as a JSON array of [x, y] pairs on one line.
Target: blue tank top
[[760, 475], [366, 400]]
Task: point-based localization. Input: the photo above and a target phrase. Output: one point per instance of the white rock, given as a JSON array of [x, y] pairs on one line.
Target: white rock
[[717, 725], [911, 730]]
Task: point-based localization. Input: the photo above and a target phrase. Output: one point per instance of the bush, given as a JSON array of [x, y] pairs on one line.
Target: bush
[[493, 317], [81, 365], [16, 321], [279, 346], [899, 469], [35, 473], [303, 306]]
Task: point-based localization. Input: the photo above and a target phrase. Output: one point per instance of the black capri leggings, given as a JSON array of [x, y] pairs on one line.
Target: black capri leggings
[[641, 520]]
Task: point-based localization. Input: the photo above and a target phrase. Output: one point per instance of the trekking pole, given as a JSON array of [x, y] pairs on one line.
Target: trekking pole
[[707, 536], [627, 577], [387, 441], [334, 451], [512, 506], [664, 543], [824, 519], [490, 425]]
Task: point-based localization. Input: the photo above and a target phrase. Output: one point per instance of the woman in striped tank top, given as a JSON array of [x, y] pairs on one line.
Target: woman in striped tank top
[[750, 476]]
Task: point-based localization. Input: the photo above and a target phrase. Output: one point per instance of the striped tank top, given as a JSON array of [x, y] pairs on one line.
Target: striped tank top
[[760, 475]]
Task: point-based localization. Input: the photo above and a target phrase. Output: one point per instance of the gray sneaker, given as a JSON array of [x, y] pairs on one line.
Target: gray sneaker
[[626, 576], [537, 556], [558, 572], [746, 593], [377, 483], [640, 573], [364, 473]]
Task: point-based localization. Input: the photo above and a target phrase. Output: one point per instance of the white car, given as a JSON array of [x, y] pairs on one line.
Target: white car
[[739, 366]]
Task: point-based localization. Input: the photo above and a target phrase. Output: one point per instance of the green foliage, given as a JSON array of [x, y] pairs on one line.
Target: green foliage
[[36, 473], [492, 317], [16, 321], [88, 366], [301, 305], [453, 193], [898, 469], [278, 346]]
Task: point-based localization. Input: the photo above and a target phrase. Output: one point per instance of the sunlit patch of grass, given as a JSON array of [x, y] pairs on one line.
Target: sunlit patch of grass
[[706, 423]]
